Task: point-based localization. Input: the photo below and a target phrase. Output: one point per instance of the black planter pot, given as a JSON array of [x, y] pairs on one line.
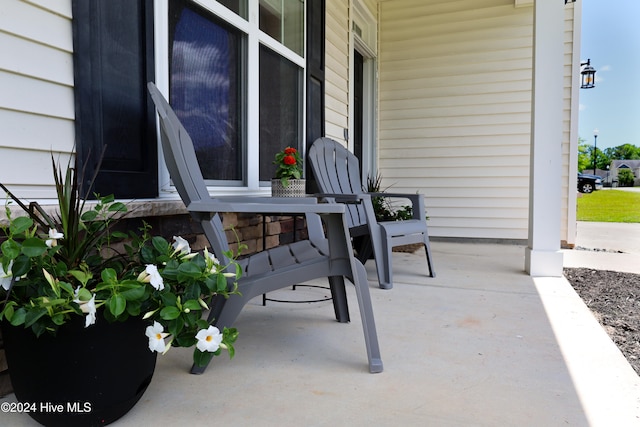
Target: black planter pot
[[83, 376]]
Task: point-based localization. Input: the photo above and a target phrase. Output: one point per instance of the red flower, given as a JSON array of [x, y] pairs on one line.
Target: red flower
[[290, 150], [289, 160]]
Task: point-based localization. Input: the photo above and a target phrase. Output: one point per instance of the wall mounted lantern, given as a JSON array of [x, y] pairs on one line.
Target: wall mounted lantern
[[588, 75]]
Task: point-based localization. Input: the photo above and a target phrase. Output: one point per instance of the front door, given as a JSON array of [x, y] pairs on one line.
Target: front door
[[358, 113]]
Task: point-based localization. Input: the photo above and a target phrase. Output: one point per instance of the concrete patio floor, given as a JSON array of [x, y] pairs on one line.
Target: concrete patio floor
[[482, 344]]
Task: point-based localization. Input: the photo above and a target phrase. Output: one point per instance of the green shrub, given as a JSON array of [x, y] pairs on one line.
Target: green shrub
[[625, 178]]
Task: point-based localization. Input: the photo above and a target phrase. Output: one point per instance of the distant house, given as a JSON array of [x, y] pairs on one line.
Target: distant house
[[633, 165]]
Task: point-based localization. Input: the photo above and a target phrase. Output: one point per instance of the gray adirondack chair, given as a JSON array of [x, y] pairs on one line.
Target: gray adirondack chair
[[337, 173], [277, 268]]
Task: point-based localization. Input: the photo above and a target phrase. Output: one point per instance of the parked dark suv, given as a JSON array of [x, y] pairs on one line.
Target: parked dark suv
[[589, 183]]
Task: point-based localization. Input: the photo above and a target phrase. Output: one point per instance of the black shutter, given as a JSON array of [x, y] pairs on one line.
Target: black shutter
[[315, 76], [113, 61]]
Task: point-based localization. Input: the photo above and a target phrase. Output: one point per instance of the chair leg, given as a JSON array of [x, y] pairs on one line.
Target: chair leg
[[364, 248], [427, 249], [383, 262], [225, 312], [368, 321], [339, 297]]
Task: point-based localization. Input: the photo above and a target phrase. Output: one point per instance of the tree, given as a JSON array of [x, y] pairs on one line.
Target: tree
[[625, 178], [623, 152], [585, 158]]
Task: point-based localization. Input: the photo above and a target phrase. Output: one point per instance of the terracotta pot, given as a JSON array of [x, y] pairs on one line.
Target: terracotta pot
[[83, 376]]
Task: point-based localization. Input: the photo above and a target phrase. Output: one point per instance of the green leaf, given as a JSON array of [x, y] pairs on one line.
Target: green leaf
[[222, 283], [238, 271], [20, 225], [192, 318], [147, 255], [134, 308], [81, 276], [169, 299], [58, 319], [175, 327], [19, 317], [67, 287], [117, 305], [160, 244], [192, 292], [202, 324], [109, 275], [192, 304], [33, 315], [169, 313], [38, 328], [117, 207], [21, 266], [7, 312], [230, 334], [187, 271], [231, 350], [10, 249], [53, 302], [84, 294], [133, 293], [89, 216]]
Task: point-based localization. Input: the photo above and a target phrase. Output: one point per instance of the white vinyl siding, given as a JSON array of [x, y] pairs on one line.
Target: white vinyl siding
[[569, 145], [337, 70], [36, 82], [455, 111]]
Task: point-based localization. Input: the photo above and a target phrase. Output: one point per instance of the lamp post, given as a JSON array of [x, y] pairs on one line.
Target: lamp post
[[595, 149]]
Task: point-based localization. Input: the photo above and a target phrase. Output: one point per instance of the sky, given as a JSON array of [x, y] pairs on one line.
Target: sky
[[611, 39]]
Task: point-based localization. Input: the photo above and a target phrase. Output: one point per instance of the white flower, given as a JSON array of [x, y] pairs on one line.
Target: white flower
[[5, 276], [88, 307], [152, 276], [210, 256], [156, 336], [181, 245], [212, 261], [209, 339], [53, 237]]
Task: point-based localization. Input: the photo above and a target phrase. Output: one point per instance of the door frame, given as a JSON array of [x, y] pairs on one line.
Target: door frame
[[363, 38]]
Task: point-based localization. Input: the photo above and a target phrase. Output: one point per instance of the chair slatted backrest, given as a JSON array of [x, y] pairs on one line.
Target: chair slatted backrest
[[180, 158], [337, 171]]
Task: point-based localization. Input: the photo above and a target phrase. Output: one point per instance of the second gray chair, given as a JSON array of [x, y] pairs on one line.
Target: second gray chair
[[337, 173]]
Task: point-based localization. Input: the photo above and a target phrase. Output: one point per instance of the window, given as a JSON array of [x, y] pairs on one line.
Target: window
[[282, 20], [206, 87], [237, 86], [280, 108]]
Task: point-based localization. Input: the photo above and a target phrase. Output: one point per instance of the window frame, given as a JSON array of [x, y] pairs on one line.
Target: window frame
[[254, 38]]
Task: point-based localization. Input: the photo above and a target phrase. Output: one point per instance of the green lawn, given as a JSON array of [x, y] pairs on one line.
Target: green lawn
[[609, 206]]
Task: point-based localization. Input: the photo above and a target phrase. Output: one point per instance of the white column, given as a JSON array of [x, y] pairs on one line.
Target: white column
[[543, 256]]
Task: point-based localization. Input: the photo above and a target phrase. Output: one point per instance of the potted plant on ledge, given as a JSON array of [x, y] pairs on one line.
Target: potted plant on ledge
[[288, 181], [84, 309]]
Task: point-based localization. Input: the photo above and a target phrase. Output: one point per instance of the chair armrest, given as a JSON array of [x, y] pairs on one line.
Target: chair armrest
[[417, 202], [344, 198], [266, 199], [411, 196], [266, 206]]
